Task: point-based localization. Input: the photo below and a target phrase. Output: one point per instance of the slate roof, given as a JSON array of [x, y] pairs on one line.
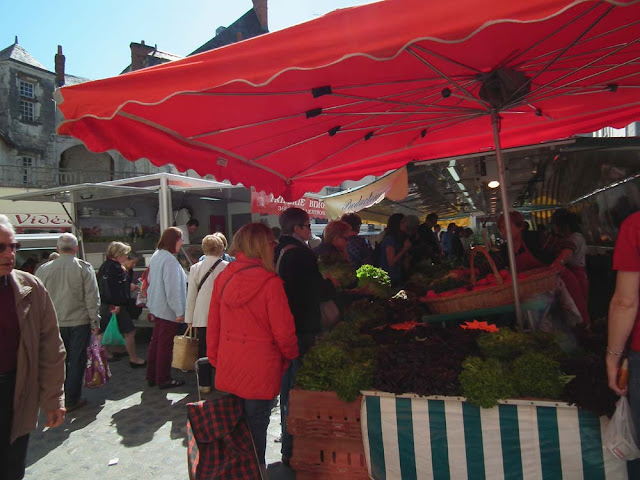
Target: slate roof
[[248, 25], [156, 57], [19, 54], [74, 80]]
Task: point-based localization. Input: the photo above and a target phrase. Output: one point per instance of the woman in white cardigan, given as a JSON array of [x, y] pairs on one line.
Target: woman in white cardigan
[[201, 278]]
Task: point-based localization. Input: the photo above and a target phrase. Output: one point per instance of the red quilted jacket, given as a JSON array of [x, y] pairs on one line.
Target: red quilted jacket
[[251, 335]]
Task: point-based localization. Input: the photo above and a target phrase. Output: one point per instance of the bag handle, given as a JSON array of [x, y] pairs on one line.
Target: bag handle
[[282, 252], [191, 332], [492, 264], [206, 275], [232, 275]]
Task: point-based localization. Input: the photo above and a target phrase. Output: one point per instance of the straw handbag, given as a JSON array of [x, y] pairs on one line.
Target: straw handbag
[[185, 350]]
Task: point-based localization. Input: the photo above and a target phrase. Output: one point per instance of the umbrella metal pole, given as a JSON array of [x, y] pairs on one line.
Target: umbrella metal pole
[[505, 208], [164, 203]]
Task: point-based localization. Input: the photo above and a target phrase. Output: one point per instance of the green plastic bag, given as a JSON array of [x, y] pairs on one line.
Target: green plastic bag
[[112, 335]]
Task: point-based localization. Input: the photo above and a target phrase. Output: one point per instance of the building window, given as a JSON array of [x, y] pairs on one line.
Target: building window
[[27, 111], [27, 164], [27, 89]]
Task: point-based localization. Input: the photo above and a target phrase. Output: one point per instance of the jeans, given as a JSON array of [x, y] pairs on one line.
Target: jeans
[[161, 351], [13, 456], [76, 341], [288, 381], [258, 413]]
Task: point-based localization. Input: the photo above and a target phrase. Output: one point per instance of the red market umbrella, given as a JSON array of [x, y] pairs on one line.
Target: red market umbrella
[[360, 91], [368, 89]]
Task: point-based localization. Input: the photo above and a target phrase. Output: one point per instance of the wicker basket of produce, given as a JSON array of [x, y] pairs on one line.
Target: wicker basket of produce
[[493, 291]]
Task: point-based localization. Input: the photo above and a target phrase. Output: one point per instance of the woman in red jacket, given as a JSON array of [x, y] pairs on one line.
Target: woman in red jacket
[[251, 336]]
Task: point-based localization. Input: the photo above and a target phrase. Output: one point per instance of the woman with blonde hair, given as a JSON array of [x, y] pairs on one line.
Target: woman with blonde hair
[[115, 294], [250, 306], [199, 291]]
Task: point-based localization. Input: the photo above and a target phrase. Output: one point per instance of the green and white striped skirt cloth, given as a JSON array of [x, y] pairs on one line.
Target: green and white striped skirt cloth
[[409, 437]]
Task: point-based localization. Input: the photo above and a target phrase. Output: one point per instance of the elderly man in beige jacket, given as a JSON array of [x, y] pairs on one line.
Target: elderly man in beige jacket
[[31, 358], [73, 287]]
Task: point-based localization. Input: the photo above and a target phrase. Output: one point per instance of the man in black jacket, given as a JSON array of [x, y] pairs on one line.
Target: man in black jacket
[[305, 289]]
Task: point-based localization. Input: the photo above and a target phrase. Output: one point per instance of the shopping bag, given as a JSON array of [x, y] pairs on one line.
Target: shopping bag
[[185, 350], [112, 335], [97, 372], [620, 436], [219, 442], [141, 297]]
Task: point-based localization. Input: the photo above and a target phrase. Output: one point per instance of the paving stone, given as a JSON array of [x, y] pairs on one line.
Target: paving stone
[[143, 427]]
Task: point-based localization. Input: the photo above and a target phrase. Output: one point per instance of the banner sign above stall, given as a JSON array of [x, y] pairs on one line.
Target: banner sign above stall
[[393, 186], [268, 204], [34, 220]]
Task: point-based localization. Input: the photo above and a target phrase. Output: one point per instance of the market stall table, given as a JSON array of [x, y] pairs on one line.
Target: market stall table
[[412, 437]]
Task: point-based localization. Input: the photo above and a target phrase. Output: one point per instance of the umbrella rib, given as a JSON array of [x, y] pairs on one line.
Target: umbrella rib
[[298, 176], [573, 72], [176, 135], [548, 91], [404, 104], [240, 127], [446, 59], [557, 57], [449, 79], [547, 37], [523, 64]]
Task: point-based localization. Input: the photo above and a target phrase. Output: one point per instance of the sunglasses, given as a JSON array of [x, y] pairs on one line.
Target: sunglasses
[[308, 225], [13, 246]]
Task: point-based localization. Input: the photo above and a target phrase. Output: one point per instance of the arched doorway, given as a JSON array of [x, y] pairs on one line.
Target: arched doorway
[[79, 165]]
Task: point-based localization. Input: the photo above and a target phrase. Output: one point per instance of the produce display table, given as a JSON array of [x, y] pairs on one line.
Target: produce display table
[[534, 305], [411, 437]]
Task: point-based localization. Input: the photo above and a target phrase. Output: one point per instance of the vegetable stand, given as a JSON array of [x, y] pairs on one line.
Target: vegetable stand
[[411, 437]]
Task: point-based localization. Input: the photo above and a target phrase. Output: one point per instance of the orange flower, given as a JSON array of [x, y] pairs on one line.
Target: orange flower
[[476, 325]]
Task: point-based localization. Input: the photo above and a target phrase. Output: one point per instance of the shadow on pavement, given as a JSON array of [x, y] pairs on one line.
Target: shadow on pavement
[[42, 441]]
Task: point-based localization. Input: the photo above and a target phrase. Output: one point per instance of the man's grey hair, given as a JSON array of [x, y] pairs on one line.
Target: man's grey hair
[[5, 223], [67, 243]]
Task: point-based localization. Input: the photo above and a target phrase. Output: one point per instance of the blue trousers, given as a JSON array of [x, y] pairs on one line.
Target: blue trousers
[[258, 413], [76, 340]]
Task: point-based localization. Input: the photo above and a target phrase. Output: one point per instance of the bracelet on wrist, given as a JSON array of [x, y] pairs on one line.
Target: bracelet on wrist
[[615, 352]]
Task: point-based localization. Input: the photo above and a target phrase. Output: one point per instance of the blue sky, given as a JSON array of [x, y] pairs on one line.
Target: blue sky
[[95, 34]]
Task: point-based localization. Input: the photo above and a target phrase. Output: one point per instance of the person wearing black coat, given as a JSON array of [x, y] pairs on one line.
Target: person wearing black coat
[[297, 265], [115, 294]]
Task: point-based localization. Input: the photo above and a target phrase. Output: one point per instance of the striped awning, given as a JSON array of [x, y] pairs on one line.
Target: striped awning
[[413, 437]]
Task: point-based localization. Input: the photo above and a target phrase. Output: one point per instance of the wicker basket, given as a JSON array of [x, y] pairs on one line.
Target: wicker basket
[[185, 350], [538, 281]]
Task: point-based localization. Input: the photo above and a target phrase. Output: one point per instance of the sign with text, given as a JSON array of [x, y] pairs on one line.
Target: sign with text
[[39, 220], [267, 204], [393, 186]]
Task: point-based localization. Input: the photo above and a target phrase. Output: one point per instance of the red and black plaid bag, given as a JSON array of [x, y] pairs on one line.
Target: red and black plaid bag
[[220, 443]]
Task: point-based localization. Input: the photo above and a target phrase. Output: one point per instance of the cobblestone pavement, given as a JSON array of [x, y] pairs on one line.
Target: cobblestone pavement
[[143, 428]]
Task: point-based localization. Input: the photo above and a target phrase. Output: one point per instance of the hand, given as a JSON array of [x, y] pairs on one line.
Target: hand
[[407, 244], [114, 309], [613, 367], [55, 418], [133, 287], [180, 319], [96, 332]]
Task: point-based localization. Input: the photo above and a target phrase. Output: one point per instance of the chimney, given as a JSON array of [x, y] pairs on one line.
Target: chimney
[[260, 7], [59, 67], [139, 53]]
